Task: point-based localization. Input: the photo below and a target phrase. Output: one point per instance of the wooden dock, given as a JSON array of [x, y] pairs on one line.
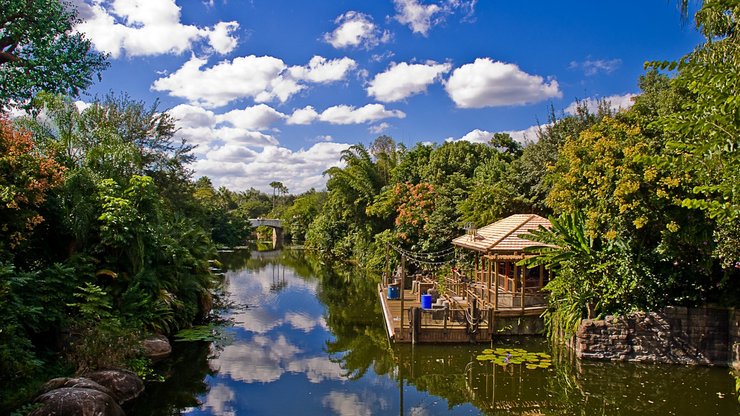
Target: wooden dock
[[407, 322]]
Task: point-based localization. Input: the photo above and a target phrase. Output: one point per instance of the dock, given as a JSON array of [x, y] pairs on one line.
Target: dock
[[407, 322]]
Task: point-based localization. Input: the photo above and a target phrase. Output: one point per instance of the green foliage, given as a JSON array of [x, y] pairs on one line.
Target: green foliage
[[40, 51]]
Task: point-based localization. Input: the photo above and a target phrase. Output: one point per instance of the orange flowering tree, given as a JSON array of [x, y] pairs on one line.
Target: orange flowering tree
[[26, 175], [415, 205]]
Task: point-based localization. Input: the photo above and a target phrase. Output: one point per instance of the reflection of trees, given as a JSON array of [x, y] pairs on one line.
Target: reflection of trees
[[185, 372], [354, 316]]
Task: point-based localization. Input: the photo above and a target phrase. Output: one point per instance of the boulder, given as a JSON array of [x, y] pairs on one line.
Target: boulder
[[157, 347], [77, 401], [124, 385], [76, 382]]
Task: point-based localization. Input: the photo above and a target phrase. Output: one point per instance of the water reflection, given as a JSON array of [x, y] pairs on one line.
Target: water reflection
[[309, 339]]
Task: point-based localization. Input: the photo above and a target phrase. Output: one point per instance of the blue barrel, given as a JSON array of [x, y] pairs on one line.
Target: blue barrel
[[393, 292], [426, 301]]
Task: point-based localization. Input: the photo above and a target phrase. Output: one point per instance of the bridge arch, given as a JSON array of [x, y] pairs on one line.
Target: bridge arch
[[275, 224]]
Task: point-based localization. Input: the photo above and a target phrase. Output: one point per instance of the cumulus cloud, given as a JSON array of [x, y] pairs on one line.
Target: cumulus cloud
[[356, 29], [421, 17], [262, 78], [321, 70], [379, 128], [305, 115], [615, 103], [299, 170], [258, 117], [344, 114], [415, 15], [483, 136], [404, 80], [488, 83], [593, 67], [347, 114], [147, 28]]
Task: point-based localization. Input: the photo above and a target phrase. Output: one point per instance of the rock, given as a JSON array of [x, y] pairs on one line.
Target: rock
[[78, 402], [124, 385], [157, 347], [77, 382]]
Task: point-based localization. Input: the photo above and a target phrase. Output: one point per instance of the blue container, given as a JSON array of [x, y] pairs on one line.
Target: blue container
[[393, 292], [426, 301]]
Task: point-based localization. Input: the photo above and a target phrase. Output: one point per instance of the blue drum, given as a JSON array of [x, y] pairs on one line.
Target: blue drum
[[426, 301], [394, 292]]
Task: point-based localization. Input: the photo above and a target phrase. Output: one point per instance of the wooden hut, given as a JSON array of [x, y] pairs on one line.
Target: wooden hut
[[497, 281]]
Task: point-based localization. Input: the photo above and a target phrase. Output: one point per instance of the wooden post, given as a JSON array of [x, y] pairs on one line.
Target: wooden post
[[542, 276], [506, 276], [524, 284], [387, 265], [516, 277], [403, 280], [415, 324], [489, 281], [495, 272]]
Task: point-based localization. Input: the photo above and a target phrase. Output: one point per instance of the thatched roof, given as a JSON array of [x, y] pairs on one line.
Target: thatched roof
[[503, 236]]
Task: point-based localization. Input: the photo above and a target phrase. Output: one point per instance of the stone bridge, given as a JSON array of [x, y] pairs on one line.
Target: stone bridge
[[275, 224]]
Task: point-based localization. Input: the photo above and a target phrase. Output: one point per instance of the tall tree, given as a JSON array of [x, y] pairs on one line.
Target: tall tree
[[39, 51]]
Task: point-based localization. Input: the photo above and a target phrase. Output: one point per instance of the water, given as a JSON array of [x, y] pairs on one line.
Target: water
[[309, 341]]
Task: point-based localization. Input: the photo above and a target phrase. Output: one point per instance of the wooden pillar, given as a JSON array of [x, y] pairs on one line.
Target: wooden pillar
[[488, 292], [495, 272], [516, 277], [506, 275], [415, 324], [542, 276], [524, 283], [403, 281]]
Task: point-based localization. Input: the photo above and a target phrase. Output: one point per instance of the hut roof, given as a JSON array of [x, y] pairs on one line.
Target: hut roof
[[503, 236]]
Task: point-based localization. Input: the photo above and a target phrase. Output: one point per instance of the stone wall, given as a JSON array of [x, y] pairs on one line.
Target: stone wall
[[709, 336]]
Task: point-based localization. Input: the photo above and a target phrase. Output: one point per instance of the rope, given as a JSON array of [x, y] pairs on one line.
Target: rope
[[425, 258]]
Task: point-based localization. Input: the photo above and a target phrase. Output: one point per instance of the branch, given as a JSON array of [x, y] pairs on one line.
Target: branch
[[6, 57]]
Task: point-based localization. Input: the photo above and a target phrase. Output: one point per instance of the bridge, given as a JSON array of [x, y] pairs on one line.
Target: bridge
[[267, 222], [275, 224]]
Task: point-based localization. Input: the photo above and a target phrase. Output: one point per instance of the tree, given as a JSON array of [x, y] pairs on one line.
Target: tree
[[39, 51], [26, 175]]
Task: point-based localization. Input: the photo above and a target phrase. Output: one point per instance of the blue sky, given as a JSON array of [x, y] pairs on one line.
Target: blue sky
[[274, 90]]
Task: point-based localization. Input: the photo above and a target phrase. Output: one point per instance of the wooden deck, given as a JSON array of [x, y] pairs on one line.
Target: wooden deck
[[417, 325]]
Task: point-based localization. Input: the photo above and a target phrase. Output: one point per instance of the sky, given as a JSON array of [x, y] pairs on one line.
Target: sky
[[274, 90]]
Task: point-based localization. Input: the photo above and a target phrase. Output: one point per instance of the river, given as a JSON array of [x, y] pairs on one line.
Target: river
[[306, 340]]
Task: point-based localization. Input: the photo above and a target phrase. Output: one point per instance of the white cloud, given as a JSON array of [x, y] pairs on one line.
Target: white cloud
[[324, 138], [321, 70], [420, 17], [219, 399], [147, 28], [258, 117], [262, 78], [593, 67], [304, 115], [403, 80], [346, 114], [379, 128], [356, 30], [299, 170], [220, 37], [616, 103], [416, 15], [487, 83], [483, 136]]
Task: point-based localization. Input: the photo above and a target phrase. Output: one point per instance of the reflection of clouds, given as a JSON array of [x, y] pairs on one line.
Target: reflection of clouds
[[317, 369], [218, 399], [256, 286], [260, 360], [264, 360], [304, 322], [256, 320], [418, 411], [345, 404]]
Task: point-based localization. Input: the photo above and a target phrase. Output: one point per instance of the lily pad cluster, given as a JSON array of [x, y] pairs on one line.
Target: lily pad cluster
[[511, 356]]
